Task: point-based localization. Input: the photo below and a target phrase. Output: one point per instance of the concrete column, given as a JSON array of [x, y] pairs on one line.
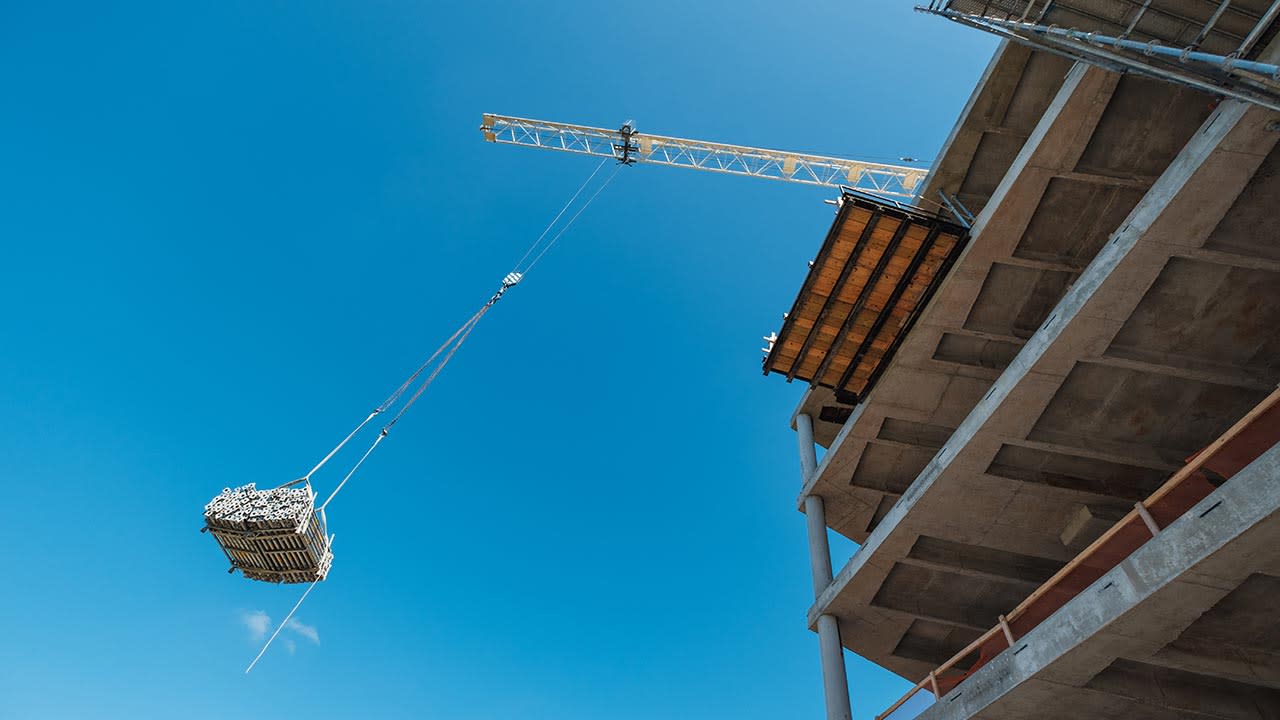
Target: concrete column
[[819, 550], [808, 452], [835, 684], [814, 511]]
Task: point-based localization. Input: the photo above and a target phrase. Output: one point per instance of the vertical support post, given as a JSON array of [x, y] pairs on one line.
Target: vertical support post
[[835, 683], [815, 513], [1149, 521], [1008, 632], [808, 453], [815, 517]]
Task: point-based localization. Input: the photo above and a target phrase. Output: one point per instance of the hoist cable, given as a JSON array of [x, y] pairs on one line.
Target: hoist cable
[[386, 403], [405, 386], [353, 469], [449, 348], [569, 224], [470, 325], [426, 383], [455, 341], [337, 447], [556, 219], [281, 626]]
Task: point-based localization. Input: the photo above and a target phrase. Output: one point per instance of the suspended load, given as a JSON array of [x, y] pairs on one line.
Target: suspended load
[[275, 535], [279, 535]]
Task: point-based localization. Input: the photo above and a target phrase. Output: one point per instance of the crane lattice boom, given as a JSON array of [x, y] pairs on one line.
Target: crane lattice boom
[[628, 146]]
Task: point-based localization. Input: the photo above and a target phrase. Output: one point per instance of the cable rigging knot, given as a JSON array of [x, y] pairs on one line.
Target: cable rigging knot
[[511, 280]]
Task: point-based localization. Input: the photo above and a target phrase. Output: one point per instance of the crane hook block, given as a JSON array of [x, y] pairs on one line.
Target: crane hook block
[[511, 280]]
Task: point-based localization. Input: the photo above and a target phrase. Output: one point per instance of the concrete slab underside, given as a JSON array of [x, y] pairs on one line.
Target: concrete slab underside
[[1184, 628], [1000, 115], [1116, 310]]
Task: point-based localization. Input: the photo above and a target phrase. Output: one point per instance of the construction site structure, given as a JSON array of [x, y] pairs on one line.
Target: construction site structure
[[1055, 433], [629, 146]]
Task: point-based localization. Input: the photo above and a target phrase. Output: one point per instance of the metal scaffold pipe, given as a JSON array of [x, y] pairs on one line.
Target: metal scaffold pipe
[[1224, 62], [1228, 76]]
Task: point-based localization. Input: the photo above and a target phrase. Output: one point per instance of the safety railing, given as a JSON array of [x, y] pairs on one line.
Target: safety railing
[[1188, 486]]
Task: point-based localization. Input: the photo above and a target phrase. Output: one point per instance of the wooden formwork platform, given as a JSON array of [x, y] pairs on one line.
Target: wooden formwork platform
[[874, 274]]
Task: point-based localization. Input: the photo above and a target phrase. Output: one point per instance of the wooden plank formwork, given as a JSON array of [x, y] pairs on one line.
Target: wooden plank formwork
[[876, 270]]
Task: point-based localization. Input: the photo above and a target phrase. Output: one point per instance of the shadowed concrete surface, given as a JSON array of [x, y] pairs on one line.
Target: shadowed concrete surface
[[1184, 628], [1117, 308]]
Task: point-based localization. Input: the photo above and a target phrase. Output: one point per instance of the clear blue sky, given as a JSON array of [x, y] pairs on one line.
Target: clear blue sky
[[229, 230]]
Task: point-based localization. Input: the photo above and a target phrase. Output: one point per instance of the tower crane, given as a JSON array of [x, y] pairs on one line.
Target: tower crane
[[257, 529], [628, 146]]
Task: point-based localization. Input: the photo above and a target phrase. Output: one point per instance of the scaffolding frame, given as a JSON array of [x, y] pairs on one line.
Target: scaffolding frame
[[1230, 75]]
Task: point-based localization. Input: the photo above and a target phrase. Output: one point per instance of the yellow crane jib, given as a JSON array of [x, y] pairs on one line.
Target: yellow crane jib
[[627, 145]]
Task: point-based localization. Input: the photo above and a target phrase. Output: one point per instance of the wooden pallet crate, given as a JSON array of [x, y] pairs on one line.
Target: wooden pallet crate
[[274, 535]]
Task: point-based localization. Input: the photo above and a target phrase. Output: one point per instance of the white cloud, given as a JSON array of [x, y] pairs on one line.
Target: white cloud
[[290, 645], [307, 631], [257, 622]]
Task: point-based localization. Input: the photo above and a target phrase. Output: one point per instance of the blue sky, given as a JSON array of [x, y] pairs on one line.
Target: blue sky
[[230, 229]]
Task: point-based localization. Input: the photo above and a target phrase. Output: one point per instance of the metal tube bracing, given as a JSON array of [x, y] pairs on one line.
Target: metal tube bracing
[[1224, 62], [877, 178], [1213, 20], [1081, 48], [1260, 27]]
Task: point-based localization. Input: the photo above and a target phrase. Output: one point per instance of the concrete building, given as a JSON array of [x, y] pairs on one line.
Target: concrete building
[[1114, 312]]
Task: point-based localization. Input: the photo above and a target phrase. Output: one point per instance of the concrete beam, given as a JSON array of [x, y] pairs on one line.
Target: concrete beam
[[1210, 657], [917, 614], [1186, 691], [933, 391], [1230, 259], [1217, 376], [1138, 607], [1179, 213], [1034, 264], [985, 108], [1027, 585], [980, 562], [1143, 459], [1140, 182], [1088, 524]]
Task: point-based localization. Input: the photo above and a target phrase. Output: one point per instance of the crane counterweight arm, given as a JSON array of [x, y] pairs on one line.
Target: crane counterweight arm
[[627, 145]]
